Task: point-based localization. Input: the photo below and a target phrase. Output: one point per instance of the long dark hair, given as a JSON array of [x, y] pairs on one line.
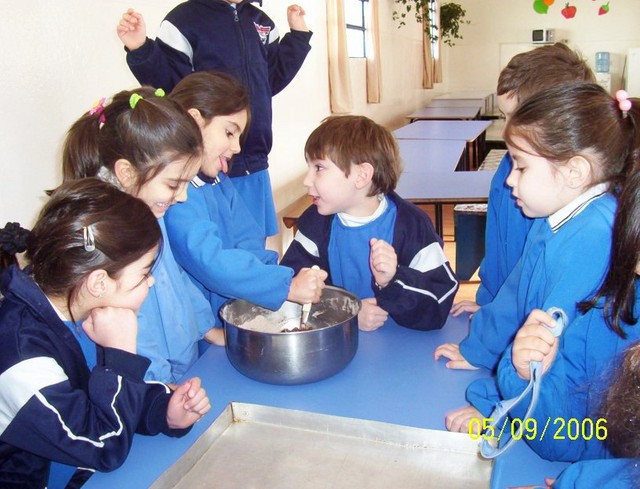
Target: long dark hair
[[621, 407], [152, 134], [123, 230], [580, 119]]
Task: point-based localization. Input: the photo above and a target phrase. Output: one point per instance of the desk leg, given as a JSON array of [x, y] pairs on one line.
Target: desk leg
[[439, 224]]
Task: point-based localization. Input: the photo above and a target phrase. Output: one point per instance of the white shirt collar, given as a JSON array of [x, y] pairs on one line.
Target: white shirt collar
[[356, 221], [57, 311], [576, 206]]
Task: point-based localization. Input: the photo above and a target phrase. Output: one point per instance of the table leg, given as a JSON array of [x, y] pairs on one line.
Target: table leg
[[439, 223]]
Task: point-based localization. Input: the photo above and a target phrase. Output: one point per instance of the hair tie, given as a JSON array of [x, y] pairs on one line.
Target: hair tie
[[98, 108], [624, 104], [13, 238], [159, 92], [89, 240], [134, 99]]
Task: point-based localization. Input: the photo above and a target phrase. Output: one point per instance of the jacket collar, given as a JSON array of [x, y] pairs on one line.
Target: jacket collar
[[576, 206]]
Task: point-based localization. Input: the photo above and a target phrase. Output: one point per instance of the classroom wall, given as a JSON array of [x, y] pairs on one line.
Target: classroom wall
[[500, 29], [61, 56]]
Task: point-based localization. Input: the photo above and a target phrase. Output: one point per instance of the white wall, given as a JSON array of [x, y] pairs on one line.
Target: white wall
[[61, 56], [501, 28]]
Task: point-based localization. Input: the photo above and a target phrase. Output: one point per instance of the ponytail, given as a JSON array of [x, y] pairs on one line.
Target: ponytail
[[13, 240]]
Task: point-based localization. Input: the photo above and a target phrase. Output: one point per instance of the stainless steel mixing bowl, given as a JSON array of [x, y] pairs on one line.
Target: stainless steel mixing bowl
[[269, 355]]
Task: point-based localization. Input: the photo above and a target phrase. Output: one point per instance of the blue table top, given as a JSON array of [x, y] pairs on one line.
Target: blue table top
[[393, 378], [463, 130]]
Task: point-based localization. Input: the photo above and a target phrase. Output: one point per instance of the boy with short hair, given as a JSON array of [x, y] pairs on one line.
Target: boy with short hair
[[370, 240]]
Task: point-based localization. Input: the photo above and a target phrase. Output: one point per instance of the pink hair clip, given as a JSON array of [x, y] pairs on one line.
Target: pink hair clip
[[624, 104], [98, 108]]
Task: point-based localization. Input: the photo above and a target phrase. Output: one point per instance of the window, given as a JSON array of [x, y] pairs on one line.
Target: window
[[357, 17]]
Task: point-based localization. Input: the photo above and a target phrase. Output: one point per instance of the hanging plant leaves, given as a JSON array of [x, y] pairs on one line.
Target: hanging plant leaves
[[452, 15]]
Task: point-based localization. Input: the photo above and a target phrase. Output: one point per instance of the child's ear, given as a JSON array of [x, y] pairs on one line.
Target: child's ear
[[197, 116], [125, 172], [96, 283], [579, 172], [364, 174]]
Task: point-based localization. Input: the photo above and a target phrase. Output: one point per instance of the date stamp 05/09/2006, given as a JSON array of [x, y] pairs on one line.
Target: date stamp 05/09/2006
[[531, 429]]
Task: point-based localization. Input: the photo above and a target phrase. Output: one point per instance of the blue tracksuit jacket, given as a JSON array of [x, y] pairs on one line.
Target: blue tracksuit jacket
[[421, 293], [217, 241], [564, 261], [52, 407], [505, 235]]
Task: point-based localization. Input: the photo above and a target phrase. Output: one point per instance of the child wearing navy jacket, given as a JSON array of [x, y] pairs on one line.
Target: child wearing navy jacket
[[235, 37], [72, 387], [370, 240]]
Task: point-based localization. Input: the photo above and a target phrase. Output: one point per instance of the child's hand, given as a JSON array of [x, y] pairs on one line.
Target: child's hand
[[456, 360], [215, 336], [371, 316], [295, 17], [383, 261], [548, 484], [306, 287], [132, 30], [460, 420], [464, 306], [112, 327], [534, 343], [187, 405]]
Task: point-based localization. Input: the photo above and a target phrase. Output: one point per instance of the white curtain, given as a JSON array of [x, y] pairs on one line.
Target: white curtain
[[374, 77], [432, 67], [340, 95]]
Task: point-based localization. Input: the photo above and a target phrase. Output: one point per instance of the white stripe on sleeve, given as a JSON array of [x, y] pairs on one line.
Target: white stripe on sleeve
[[169, 34], [307, 244], [22, 381]]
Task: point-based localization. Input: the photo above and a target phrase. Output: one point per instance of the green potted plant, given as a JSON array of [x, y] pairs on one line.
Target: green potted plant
[[452, 16]]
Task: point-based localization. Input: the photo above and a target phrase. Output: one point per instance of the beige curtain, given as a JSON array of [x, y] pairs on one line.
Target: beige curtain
[[374, 78], [340, 96], [432, 67]]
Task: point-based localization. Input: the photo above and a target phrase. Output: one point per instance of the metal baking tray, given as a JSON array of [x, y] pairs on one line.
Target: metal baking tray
[[253, 446]]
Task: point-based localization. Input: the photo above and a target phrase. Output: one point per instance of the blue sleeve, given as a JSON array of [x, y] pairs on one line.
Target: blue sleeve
[[285, 57], [151, 341], [198, 245], [483, 395], [621, 473], [505, 235], [493, 326]]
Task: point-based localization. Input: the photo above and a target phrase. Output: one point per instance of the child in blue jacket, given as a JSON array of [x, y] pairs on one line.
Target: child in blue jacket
[[506, 230], [148, 146], [235, 37], [213, 235], [566, 255], [370, 240], [72, 387]]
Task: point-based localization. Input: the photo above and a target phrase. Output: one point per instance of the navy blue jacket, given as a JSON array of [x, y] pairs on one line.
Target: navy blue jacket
[[200, 35], [52, 407], [422, 291]]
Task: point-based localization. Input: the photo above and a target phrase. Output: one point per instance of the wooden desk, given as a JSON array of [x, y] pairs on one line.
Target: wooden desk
[[393, 378], [429, 176], [472, 132], [444, 113]]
